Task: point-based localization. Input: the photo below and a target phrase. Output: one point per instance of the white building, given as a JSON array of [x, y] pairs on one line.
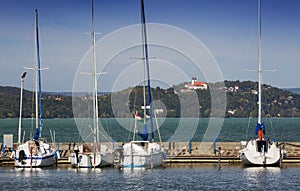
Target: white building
[[195, 85]]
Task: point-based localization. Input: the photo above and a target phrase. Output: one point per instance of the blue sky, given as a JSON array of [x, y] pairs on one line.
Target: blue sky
[[228, 28]]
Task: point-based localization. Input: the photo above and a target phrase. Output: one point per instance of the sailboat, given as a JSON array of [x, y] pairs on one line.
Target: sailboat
[[94, 154], [260, 151], [143, 153], [36, 153]]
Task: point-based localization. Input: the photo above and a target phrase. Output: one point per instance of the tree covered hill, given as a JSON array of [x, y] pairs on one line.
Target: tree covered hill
[[241, 102], [54, 106], [275, 102]]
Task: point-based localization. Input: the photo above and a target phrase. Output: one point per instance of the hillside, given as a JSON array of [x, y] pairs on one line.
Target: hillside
[[54, 106], [293, 90], [275, 102], [241, 102]]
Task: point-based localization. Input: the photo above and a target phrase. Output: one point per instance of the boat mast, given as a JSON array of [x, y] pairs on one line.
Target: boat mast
[[38, 87], [95, 91], [144, 68], [21, 104], [146, 65], [259, 65]]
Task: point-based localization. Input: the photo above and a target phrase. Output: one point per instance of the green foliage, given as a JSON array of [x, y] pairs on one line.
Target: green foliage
[[241, 102], [54, 106], [275, 102]]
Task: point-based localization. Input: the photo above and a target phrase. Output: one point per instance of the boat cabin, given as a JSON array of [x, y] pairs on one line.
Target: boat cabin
[[144, 144]]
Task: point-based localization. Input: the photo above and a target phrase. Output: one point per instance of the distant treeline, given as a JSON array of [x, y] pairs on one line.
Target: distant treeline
[[241, 102]]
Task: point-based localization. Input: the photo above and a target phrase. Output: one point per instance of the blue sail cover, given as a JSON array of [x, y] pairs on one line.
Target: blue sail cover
[[260, 126], [144, 134], [143, 19], [39, 72], [36, 135]]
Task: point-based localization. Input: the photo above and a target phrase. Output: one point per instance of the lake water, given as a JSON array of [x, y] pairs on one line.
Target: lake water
[[235, 130], [188, 177], [175, 177]]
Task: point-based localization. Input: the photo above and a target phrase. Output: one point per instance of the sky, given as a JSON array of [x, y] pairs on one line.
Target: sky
[[227, 29]]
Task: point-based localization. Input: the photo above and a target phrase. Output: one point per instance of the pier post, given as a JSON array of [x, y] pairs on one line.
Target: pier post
[[219, 158], [280, 152], [215, 146], [2, 148], [189, 145], [58, 145], [95, 158], [30, 157], [173, 150]]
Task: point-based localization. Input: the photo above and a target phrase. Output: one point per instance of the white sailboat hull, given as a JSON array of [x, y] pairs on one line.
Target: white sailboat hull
[[260, 152], [31, 154], [89, 159], [142, 154], [257, 154], [35, 153]]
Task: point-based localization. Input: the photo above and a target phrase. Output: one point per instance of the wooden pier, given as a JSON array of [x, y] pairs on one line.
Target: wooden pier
[[177, 152]]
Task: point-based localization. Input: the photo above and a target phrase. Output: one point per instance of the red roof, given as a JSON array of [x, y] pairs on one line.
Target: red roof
[[199, 83]]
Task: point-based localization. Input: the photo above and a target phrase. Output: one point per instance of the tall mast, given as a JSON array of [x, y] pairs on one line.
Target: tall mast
[[259, 64], [95, 91], [144, 64], [146, 59], [38, 87], [21, 104]]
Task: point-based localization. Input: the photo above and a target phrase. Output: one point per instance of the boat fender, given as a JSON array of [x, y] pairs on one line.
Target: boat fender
[[57, 155], [13, 154]]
